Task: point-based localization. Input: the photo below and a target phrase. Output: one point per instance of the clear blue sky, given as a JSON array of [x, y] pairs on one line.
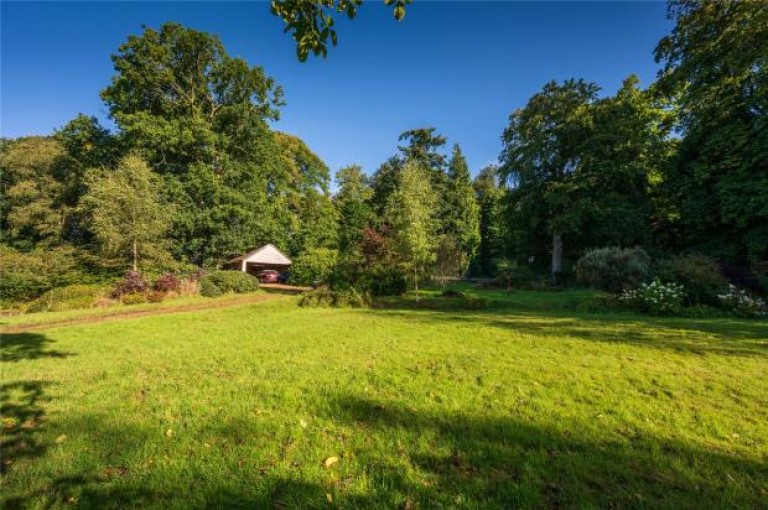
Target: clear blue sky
[[459, 66]]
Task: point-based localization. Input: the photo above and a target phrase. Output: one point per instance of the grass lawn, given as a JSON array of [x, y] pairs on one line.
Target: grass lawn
[[525, 404]]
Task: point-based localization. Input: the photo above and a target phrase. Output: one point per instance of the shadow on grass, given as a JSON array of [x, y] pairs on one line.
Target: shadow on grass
[[23, 416], [505, 463], [408, 459], [696, 336], [26, 346]]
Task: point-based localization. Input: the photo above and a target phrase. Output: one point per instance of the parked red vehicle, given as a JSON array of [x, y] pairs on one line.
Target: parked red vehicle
[[268, 276]]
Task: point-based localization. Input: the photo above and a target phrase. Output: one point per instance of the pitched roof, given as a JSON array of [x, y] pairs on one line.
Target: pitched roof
[[267, 254]]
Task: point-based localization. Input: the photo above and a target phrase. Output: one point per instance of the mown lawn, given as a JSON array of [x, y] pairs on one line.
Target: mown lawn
[[525, 404]]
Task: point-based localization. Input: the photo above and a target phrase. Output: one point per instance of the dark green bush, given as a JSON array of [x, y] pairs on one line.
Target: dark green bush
[[614, 269], [325, 297], [600, 304], [313, 265], [699, 275], [229, 281], [385, 281], [209, 289]]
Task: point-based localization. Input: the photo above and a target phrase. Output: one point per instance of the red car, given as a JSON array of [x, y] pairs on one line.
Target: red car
[[268, 276]]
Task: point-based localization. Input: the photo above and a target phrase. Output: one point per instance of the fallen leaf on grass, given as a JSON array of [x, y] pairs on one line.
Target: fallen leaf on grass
[[329, 497], [303, 424], [169, 433], [330, 461], [61, 438]]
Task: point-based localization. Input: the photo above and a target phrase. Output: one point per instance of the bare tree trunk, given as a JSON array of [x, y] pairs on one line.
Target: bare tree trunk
[[416, 283], [135, 256], [557, 256]]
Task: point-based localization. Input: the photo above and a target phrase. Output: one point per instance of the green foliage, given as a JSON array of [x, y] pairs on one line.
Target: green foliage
[[228, 281], [385, 280], [313, 265], [699, 275], [614, 269], [71, 297], [125, 213], [714, 66], [490, 197], [25, 276], [209, 289], [134, 298], [311, 22], [353, 205], [411, 212], [463, 212], [325, 297]]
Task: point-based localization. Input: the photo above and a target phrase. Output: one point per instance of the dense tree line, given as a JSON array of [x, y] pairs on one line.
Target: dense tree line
[[193, 172]]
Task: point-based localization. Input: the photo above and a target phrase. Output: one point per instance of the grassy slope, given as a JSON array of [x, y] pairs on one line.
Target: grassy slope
[[521, 405]]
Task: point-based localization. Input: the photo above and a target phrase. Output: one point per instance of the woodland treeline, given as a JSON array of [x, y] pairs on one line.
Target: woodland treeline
[[193, 172]]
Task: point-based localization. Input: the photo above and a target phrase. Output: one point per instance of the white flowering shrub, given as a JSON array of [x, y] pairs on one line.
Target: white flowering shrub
[[741, 303], [655, 298]]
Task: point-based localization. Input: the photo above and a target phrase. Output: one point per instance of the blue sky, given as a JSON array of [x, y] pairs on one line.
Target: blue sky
[[459, 66]]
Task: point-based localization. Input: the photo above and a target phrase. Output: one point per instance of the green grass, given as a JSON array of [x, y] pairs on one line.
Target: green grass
[[522, 404]]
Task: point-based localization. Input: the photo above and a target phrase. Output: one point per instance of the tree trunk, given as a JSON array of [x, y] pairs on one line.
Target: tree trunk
[[135, 256], [416, 284], [557, 256]]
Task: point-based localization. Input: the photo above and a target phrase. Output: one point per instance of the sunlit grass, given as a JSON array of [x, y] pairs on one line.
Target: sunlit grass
[[522, 404]]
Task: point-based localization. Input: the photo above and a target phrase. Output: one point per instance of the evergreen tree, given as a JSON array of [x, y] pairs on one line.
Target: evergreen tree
[[463, 220]]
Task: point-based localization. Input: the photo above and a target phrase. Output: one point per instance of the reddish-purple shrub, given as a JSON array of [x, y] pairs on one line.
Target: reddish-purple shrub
[[167, 283], [133, 282]]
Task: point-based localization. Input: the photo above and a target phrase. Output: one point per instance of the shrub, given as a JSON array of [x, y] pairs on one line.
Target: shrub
[[741, 303], [313, 265], [614, 269], [209, 289], [655, 298], [134, 298], [26, 276], [132, 283], [156, 296], [385, 281], [744, 278], [168, 282], [71, 297], [600, 304], [229, 281], [453, 293], [325, 297], [699, 275]]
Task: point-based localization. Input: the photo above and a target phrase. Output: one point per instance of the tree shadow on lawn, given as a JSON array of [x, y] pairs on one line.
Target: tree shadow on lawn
[[696, 336], [26, 346], [23, 416], [494, 462]]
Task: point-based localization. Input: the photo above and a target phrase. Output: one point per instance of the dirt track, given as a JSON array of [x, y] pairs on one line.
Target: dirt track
[[131, 314]]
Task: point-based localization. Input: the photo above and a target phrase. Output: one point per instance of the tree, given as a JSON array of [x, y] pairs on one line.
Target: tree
[[311, 22], [353, 206], [463, 219], [125, 213], [179, 98], [543, 148], [40, 189], [715, 67], [490, 199], [411, 213]]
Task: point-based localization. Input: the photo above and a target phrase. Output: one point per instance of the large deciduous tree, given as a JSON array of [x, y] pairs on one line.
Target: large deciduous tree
[[543, 148], [715, 65]]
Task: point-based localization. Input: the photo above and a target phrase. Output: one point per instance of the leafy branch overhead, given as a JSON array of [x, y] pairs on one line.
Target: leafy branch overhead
[[311, 22]]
